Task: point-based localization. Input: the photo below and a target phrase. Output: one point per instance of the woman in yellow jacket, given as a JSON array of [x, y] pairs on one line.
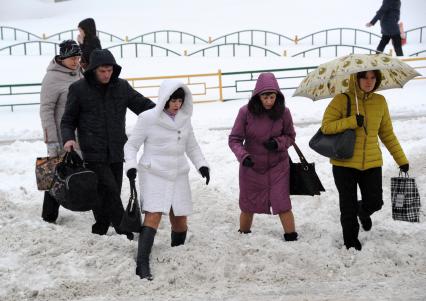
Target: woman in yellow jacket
[[370, 119]]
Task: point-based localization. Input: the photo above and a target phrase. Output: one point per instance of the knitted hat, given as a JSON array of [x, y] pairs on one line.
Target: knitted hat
[[69, 48]]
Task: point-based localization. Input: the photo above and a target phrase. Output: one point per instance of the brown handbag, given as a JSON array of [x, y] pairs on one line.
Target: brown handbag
[[45, 170]]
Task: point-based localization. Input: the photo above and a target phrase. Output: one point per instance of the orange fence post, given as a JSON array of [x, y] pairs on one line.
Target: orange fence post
[[219, 73]]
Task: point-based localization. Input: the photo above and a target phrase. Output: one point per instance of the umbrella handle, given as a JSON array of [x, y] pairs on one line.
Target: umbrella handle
[[356, 98]]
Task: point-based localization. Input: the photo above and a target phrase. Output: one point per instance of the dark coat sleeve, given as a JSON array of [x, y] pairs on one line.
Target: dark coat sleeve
[[87, 48], [136, 101], [386, 5], [70, 118]]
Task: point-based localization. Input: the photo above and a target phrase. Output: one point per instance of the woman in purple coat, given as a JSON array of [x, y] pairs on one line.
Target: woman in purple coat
[[262, 133]]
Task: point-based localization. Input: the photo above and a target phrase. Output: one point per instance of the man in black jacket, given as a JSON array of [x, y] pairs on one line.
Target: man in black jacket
[[96, 106], [388, 14]]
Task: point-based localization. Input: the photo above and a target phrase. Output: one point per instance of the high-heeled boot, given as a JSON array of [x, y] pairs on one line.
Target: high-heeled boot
[[178, 238], [146, 240]]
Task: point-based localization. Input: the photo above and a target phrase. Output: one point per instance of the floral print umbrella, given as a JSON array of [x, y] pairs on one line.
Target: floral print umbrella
[[332, 78]]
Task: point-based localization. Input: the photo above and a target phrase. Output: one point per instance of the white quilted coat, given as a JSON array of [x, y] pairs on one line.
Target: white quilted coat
[[163, 168]]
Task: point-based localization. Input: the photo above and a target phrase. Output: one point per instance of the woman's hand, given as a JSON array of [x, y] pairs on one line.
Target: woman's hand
[[205, 173], [131, 174]]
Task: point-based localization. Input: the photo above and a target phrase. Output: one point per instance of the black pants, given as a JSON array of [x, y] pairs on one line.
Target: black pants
[[109, 207], [396, 42], [370, 185], [50, 209]]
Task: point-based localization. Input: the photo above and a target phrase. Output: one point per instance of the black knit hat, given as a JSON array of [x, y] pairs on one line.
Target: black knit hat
[[69, 48]]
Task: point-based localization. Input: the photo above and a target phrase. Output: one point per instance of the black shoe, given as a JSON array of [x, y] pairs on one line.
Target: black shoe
[[366, 223], [354, 244], [144, 272], [100, 228], [244, 232], [290, 236]]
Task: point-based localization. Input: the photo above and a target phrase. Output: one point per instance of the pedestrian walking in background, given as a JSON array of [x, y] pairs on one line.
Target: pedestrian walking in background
[[167, 135], [96, 107], [262, 133], [388, 14], [88, 40], [63, 70], [364, 169]]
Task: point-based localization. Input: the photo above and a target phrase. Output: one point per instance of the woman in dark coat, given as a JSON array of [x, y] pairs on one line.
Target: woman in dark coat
[[388, 14], [262, 133], [88, 40]]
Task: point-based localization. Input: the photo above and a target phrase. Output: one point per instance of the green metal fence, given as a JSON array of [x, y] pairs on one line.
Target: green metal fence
[[169, 35]]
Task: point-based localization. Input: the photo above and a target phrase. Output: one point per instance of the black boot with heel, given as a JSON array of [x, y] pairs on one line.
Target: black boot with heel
[[146, 240], [178, 238]]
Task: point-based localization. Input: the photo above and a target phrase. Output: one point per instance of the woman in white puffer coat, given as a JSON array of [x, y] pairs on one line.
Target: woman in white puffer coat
[[167, 135]]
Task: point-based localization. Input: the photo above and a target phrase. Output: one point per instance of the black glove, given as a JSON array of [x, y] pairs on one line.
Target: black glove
[[359, 120], [248, 162], [131, 174], [405, 167], [270, 144], [205, 173]]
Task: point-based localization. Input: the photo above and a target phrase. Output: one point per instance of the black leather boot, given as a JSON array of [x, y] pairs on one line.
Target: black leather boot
[[146, 240], [354, 243], [178, 238]]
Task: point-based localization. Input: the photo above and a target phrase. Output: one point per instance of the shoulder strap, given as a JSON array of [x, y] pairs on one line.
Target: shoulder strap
[[348, 106], [299, 153]]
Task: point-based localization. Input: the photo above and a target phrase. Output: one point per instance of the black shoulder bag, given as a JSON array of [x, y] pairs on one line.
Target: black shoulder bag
[[335, 146], [303, 177]]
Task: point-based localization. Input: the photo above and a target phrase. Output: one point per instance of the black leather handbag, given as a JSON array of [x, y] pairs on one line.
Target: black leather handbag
[[75, 187], [303, 177], [335, 146], [131, 220]]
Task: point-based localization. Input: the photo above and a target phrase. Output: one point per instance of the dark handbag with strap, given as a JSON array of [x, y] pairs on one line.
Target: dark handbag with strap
[[75, 187], [335, 146], [132, 220], [303, 177]]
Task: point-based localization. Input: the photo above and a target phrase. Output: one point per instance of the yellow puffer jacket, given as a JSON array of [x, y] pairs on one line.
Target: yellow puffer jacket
[[377, 123]]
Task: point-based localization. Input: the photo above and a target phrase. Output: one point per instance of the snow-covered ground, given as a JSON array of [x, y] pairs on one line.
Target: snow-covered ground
[[64, 261]]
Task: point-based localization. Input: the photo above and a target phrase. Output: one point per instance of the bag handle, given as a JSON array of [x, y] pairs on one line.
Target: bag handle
[[133, 194], [348, 105], [300, 154]]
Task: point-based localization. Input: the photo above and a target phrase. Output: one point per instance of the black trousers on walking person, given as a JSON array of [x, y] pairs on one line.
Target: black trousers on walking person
[[109, 209], [50, 209], [370, 185], [396, 42]]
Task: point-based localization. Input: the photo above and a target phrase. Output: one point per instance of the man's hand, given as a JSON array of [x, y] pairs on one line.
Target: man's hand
[[368, 24], [70, 145]]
